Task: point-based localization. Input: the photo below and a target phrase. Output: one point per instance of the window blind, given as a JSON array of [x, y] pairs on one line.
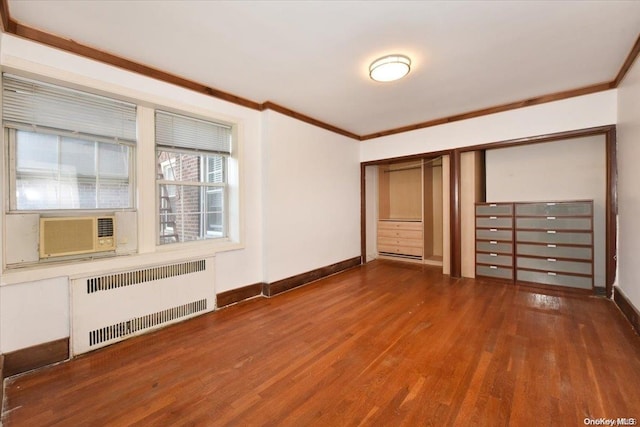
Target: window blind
[[176, 131], [37, 104]]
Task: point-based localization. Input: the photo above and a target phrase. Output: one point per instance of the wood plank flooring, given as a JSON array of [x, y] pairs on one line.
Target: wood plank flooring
[[385, 344]]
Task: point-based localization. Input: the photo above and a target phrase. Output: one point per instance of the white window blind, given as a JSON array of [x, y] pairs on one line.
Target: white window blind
[[175, 131], [36, 104]]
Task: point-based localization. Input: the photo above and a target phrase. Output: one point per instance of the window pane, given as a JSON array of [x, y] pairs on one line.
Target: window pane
[[215, 169], [77, 157], [186, 217], [214, 212], [113, 160], [184, 167], [57, 172], [36, 152], [36, 193], [77, 194], [113, 194]]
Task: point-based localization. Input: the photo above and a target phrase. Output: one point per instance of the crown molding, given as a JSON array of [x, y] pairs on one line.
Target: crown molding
[[631, 58], [9, 25], [492, 110], [287, 112]]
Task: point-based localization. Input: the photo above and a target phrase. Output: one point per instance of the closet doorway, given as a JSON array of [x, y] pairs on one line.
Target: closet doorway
[[407, 211]]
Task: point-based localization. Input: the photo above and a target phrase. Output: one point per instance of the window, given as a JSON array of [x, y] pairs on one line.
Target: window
[[67, 149], [192, 163]]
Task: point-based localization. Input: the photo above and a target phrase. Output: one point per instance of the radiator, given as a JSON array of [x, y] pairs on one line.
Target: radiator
[[110, 308]]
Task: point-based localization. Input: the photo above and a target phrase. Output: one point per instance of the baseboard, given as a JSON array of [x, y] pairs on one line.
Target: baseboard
[[233, 296], [630, 312], [26, 359], [289, 283], [1, 380]]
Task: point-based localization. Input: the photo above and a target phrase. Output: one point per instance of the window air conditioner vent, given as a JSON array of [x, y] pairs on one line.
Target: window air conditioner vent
[[105, 227]]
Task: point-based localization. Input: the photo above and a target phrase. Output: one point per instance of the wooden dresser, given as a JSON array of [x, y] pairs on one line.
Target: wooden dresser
[[548, 243], [400, 238]]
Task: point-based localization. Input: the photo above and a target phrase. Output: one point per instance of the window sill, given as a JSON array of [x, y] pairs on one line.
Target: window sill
[[106, 264]]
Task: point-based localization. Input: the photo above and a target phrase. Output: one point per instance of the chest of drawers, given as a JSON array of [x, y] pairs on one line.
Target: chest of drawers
[[400, 238], [494, 240], [554, 243], [548, 243]]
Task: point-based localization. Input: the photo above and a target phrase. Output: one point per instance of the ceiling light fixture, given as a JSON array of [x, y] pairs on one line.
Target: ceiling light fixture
[[390, 68]]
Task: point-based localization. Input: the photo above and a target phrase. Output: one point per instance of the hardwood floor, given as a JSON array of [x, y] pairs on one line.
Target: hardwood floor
[[384, 344]]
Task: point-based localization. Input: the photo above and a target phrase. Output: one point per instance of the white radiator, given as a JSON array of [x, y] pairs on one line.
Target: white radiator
[[110, 308]]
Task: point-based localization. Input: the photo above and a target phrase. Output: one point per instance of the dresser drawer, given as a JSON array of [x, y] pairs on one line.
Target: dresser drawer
[[494, 247], [555, 279], [494, 271], [398, 233], [494, 234], [554, 223], [390, 241], [403, 225], [554, 251], [400, 250], [554, 237], [551, 264], [495, 259], [494, 222], [554, 209], [494, 209]]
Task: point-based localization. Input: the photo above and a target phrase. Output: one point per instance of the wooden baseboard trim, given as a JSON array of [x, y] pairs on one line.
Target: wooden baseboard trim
[[310, 276], [26, 359], [1, 380], [630, 312], [236, 295]]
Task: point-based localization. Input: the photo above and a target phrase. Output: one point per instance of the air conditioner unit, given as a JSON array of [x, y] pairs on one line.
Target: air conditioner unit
[[76, 235]]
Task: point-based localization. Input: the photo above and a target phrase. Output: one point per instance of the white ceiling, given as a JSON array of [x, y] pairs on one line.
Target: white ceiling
[[313, 56]]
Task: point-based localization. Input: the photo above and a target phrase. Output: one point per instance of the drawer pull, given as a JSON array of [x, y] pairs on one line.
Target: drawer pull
[[551, 232], [551, 259], [493, 205], [493, 229], [551, 204], [551, 246], [493, 242], [551, 273], [493, 266], [551, 217], [493, 254], [493, 217]]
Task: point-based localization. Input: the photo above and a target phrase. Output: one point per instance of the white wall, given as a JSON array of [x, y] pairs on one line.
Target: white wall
[[628, 131], [312, 197], [33, 313], [573, 169], [581, 112]]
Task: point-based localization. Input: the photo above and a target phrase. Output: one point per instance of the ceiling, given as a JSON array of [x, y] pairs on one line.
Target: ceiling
[[313, 56]]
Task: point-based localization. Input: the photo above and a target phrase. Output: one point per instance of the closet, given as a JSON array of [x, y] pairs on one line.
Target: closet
[[410, 210]]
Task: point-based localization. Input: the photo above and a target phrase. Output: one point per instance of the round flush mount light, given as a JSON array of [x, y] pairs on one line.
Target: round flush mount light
[[390, 68]]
